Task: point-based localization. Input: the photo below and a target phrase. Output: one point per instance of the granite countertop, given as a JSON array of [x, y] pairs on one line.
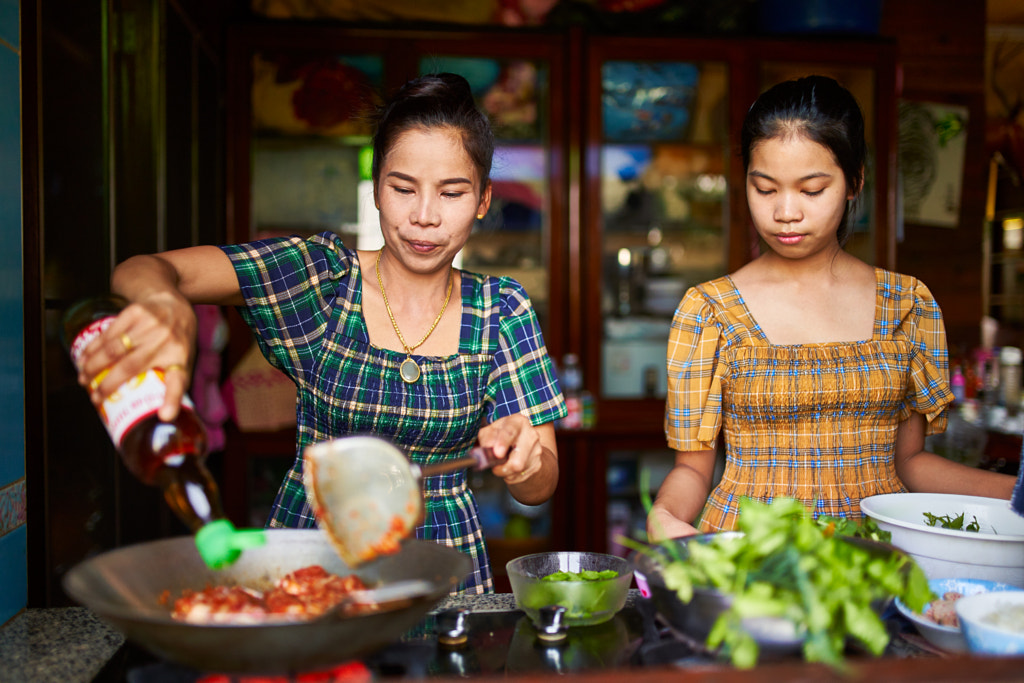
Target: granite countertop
[[67, 644], [72, 645]]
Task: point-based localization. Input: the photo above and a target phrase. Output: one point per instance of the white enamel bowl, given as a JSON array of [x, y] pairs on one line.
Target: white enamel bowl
[[995, 553], [949, 638]]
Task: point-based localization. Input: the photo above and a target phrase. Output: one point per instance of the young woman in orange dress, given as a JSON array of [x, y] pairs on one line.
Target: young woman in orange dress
[[824, 374]]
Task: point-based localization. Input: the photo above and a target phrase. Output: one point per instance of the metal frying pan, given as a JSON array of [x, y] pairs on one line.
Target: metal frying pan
[[124, 588]]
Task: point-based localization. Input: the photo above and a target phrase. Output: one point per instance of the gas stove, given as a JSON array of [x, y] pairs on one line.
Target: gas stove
[[490, 643]]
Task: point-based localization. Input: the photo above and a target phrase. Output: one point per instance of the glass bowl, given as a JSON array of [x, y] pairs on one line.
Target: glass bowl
[[586, 602]]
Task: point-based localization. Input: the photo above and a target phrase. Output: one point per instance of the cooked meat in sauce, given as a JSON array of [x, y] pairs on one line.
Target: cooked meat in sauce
[[303, 594], [942, 611]]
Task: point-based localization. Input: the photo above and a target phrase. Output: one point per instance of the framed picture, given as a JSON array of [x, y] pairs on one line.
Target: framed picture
[[647, 101], [932, 144]]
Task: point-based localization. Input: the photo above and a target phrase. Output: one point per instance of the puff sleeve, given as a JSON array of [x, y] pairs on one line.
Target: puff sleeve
[[928, 391], [290, 285], [693, 411]]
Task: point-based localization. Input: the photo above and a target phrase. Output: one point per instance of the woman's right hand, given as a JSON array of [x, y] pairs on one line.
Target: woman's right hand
[[681, 496], [157, 331], [663, 525]]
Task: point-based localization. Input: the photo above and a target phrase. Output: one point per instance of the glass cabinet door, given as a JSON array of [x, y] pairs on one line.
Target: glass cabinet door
[[512, 238], [663, 211], [309, 146]]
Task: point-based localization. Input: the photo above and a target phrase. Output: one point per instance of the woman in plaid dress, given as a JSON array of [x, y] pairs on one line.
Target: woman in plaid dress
[[823, 373], [394, 342]]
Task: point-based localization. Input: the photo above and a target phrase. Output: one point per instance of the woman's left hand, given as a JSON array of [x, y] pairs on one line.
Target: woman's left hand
[[528, 456]]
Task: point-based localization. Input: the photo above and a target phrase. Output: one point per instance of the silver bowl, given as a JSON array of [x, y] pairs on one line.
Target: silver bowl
[[775, 636]]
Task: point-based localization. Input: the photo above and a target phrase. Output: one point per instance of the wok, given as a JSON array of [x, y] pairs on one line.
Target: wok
[[124, 588]]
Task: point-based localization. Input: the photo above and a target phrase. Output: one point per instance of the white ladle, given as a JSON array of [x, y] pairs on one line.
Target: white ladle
[[368, 496]]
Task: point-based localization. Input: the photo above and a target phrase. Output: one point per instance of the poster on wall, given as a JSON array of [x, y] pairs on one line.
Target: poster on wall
[[932, 144]]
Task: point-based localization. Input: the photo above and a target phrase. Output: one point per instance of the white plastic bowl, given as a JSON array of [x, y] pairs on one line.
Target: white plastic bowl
[[995, 553], [986, 638], [949, 638]]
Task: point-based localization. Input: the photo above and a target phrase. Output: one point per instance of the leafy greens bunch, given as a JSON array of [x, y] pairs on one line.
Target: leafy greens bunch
[[784, 564], [951, 522]]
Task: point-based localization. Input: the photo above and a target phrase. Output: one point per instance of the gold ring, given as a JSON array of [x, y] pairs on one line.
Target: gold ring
[[127, 341], [95, 382], [174, 366]]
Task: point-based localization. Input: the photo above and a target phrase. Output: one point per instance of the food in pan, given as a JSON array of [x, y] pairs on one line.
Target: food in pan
[[303, 594]]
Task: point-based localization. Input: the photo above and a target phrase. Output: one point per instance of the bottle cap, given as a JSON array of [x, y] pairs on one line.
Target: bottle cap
[[1010, 355], [220, 543]]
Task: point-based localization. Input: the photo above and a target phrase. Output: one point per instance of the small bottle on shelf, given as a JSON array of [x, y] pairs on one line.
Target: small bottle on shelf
[[169, 455], [578, 401], [958, 384]]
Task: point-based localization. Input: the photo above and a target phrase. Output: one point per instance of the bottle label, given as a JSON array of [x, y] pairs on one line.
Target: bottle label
[[135, 400], [86, 336]]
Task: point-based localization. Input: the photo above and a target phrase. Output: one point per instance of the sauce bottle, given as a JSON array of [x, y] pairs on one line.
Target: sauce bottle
[[169, 455]]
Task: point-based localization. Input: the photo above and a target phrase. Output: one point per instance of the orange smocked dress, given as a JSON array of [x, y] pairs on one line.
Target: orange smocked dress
[[815, 422]]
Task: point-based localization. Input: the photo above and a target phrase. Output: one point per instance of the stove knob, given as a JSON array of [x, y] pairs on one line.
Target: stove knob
[[452, 629], [551, 625]]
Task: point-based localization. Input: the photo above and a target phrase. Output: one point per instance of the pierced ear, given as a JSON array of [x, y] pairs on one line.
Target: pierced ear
[[485, 202]]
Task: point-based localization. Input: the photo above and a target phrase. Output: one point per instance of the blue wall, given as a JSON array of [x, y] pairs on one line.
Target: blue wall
[[13, 537]]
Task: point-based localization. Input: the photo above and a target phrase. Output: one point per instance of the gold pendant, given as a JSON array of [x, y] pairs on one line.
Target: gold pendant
[[409, 370]]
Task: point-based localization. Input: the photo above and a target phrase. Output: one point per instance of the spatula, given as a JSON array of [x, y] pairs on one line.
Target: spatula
[[368, 496]]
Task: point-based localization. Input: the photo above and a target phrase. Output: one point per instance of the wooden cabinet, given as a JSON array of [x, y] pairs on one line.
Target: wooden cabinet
[[618, 184], [664, 206]]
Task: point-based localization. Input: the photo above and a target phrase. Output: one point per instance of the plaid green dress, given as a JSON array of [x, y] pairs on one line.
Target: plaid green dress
[[304, 303], [815, 422]]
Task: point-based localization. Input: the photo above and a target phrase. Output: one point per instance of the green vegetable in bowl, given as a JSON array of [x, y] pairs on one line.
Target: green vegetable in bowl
[[585, 575], [950, 522], [583, 594]]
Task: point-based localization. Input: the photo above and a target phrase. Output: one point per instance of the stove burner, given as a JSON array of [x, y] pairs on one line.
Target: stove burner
[[452, 629]]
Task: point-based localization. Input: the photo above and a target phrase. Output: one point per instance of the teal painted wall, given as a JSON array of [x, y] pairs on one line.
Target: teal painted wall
[[13, 537]]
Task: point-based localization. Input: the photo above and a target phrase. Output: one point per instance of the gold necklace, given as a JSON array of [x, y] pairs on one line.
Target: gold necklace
[[409, 370]]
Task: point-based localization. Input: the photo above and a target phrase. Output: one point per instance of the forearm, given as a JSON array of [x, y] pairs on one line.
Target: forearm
[[681, 497], [143, 276], [926, 472], [197, 275]]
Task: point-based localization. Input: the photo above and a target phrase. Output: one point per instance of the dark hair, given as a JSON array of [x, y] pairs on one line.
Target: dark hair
[[822, 111], [441, 100]]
